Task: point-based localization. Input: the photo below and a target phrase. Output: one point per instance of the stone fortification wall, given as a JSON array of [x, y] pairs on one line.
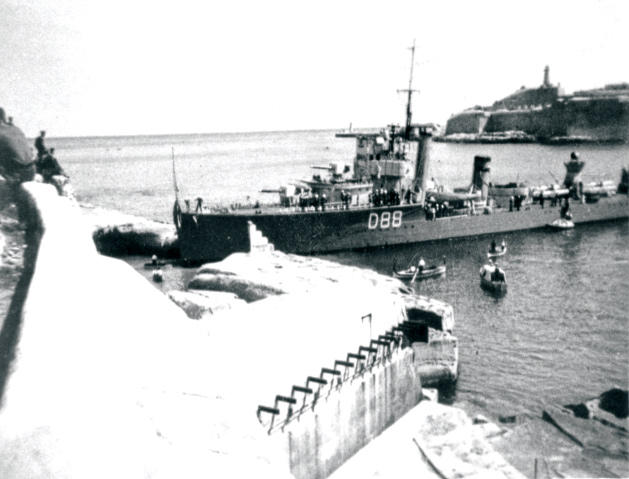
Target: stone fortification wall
[[529, 97], [525, 120], [600, 119], [472, 122], [596, 119]]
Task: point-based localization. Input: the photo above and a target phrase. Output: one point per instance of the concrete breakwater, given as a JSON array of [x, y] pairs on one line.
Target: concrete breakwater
[[427, 324], [103, 376]]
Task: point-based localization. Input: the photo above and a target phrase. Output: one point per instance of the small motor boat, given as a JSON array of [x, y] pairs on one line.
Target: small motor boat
[[561, 224]]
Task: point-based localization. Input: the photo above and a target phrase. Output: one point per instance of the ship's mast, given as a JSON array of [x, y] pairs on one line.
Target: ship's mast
[[410, 91]]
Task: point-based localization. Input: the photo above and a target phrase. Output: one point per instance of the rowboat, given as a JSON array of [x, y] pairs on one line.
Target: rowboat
[[497, 252], [561, 224], [496, 287], [493, 279], [412, 272], [155, 263]]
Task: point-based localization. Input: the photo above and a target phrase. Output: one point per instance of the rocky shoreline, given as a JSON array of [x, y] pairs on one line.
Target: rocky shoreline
[[519, 137]]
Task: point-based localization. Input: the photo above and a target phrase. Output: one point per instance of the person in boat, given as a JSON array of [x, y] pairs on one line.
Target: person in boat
[[503, 245], [493, 245], [421, 265], [499, 275], [487, 271]]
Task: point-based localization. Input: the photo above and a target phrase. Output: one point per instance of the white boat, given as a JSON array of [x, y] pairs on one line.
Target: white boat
[[412, 272], [498, 251], [561, 224]]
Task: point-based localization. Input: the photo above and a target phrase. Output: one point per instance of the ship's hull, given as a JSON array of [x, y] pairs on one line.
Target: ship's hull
[[214, 236]]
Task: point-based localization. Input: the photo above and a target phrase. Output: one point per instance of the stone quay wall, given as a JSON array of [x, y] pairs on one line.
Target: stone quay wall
[[342, 422]]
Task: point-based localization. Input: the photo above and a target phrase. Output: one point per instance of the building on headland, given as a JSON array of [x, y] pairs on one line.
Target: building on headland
[[547, 113]]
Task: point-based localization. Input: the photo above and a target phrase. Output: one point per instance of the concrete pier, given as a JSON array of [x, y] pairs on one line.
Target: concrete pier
[[101, 375]]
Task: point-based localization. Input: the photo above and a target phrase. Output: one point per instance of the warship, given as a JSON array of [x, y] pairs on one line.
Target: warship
[[386, 199]]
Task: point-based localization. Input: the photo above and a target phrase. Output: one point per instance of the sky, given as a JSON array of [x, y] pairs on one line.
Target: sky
[[136, 67]]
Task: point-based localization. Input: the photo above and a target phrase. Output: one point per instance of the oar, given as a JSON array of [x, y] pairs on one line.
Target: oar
[[415, 275]]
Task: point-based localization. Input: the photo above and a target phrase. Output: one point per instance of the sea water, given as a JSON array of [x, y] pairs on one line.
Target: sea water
[[561, 334]]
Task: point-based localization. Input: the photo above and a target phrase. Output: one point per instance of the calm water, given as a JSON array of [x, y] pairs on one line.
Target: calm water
[[561, 334]]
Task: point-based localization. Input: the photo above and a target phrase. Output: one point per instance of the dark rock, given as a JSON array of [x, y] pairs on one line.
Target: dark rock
[[507, 419]]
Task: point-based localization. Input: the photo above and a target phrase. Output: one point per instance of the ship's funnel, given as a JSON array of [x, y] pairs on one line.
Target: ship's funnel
[[480, 177], [423, 161], [573, 170]]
